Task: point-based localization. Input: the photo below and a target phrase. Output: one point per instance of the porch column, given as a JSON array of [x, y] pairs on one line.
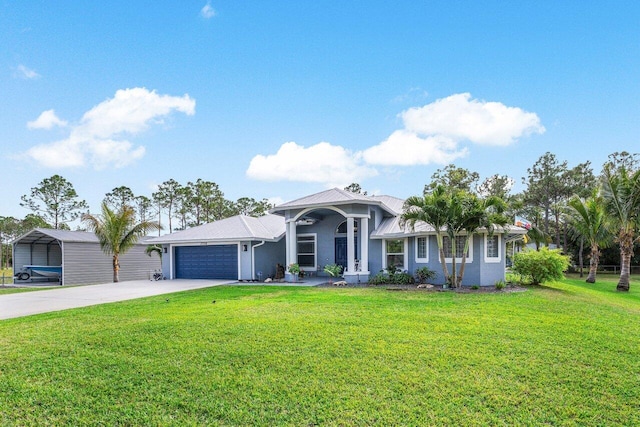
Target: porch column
[[351, 253], [364, 244], [293, 244]]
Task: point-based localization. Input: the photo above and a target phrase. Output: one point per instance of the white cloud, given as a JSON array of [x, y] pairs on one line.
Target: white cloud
[[26, 73], [324, 163], [207, 11], [462, 118], [46, 120], [404, 148], [97, 140]]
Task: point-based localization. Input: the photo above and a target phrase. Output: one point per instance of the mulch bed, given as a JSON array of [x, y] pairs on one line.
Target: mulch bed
[[433, 288]]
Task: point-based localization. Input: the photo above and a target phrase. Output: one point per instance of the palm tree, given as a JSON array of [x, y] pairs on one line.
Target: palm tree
[[589, 220], [480, 213], [432, 208], [621, 192], [117, 232]]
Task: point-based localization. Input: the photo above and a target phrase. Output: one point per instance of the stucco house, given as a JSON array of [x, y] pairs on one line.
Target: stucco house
[[361, 233]]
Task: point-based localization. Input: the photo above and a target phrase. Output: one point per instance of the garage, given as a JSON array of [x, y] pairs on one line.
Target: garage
[[206, 262]]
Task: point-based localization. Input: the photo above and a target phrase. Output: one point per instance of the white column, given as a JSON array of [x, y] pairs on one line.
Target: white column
[[364, 244], [351, 253], [293, 243], [287, 245]]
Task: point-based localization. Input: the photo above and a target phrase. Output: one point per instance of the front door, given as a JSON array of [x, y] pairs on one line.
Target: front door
[[341, 251]]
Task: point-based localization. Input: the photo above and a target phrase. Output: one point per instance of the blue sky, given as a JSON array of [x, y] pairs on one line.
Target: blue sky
[[280, 99]]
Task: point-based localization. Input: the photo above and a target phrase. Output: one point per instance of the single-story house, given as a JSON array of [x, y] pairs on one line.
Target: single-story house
[[361, 233], [75, 257]]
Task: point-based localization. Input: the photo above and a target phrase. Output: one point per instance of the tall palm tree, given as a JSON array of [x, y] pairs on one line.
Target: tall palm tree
[[117, 232], [589, 220], [432, 208], [621, 192], [480, 213]]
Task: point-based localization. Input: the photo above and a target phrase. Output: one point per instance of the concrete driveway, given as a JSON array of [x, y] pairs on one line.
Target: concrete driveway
[[28, 303]]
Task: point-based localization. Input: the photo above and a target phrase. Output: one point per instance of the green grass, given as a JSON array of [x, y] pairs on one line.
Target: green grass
[[565, 354]]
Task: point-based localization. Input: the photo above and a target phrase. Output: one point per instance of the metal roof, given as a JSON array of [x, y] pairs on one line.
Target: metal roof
[[336, 196], [49, 235], [390, 227], [239, 227]]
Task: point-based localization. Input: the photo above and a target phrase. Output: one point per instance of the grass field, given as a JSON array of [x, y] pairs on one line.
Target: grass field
[[566, 354]]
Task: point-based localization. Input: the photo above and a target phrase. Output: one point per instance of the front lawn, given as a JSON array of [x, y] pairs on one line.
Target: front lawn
[[564, 354]]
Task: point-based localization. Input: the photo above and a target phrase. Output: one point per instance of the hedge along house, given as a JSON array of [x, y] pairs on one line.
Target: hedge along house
[[77, 258], [363, 234], [236, 248]]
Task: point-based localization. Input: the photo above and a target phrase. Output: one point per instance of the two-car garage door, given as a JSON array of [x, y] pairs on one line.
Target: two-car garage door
[[206, 262]]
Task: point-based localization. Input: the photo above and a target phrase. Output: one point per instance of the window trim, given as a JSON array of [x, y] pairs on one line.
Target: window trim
[[405, 248], [424, 260], [315, 250], [469, 258], [487, 258]]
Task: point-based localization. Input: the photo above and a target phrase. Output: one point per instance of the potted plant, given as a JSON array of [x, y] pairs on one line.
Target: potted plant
[[333, 270], [294, 269]]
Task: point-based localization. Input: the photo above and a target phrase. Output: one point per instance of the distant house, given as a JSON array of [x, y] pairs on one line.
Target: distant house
[[361, 233], [75, 257]]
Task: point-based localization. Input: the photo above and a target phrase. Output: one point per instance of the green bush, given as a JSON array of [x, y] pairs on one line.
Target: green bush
[[425, 273], [540, 266], [392, 279], [500, 284]]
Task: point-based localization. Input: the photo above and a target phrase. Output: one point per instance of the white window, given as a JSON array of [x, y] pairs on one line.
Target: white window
[[492, 248], [422, 249], [306, 245], [448, 253], [394, 251]]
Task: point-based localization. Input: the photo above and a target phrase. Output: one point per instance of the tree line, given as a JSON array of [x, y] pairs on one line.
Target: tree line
[[55, 203]]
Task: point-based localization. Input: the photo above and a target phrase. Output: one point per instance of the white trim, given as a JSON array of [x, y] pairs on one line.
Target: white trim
[[487, 258], [405, 247], [173, 254], [469, 258], [315, 250], [421, 260]]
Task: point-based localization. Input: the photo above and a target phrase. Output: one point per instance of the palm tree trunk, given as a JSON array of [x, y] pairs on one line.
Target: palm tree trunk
[[445, 270], [626, 252], [463, 263], [116, 269], [593, 263]]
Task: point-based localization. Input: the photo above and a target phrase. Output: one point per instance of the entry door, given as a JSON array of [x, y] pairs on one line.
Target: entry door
[[341, 250]]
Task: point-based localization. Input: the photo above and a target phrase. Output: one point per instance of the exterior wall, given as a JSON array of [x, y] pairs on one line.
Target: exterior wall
[[85, 263], [477, 272], [244, 258], [166, 261], [492, 272], [267, 256]]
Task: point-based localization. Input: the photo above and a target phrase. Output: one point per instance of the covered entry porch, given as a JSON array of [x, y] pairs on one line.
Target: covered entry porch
[[316, 237]]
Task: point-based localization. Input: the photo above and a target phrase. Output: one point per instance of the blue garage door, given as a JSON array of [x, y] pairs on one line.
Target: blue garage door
[[207, 262]]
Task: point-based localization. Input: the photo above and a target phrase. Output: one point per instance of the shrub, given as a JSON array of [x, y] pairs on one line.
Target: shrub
[[500, 284], [425, 273], [392, 279], [475, 287], [540, 266], [333, 270]]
